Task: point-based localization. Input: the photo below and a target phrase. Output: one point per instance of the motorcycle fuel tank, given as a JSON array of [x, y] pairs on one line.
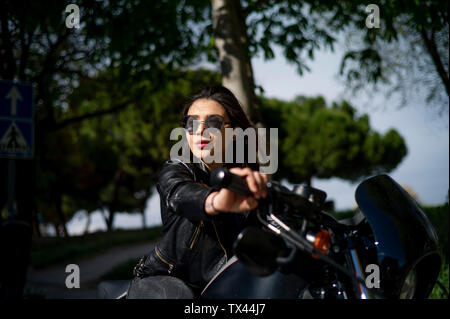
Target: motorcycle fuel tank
[[234, 281]]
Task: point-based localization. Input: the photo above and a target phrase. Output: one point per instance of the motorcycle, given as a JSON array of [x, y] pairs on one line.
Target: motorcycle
[[387, 250], [296, 250]]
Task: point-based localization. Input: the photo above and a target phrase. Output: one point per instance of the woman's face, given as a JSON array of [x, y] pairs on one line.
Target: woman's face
[[201, 109]]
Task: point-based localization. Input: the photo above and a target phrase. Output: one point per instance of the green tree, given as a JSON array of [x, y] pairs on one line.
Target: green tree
[[324, 142], [138, 37], [407, 54], [133, 37], [416, 31], [137, 41], [122, 153]]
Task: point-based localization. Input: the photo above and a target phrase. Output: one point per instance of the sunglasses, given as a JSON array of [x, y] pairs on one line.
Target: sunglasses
[[211, 121]]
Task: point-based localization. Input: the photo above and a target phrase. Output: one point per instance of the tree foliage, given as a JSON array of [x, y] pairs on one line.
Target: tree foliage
[[323, 142], [408, 54], [134, 40], [95, 85], [112, 162]]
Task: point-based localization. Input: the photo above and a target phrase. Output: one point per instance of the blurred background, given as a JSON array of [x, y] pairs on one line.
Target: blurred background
[[354, 91]]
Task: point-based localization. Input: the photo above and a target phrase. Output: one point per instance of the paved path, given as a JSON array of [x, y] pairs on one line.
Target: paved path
[[51, 281]]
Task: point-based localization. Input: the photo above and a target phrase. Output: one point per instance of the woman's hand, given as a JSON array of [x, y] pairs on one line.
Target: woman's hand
[[228, 201]]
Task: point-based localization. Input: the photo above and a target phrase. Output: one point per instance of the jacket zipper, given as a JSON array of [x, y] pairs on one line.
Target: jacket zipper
[[163, 260], [197, 231], [220, 243]]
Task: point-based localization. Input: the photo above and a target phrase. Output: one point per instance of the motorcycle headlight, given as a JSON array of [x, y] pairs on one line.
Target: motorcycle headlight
[[409, 285]]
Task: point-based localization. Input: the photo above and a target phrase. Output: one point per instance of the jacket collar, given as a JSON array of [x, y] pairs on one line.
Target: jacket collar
[[200, 164]]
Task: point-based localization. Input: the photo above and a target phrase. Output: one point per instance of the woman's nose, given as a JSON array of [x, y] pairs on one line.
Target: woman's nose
[[199, 127]]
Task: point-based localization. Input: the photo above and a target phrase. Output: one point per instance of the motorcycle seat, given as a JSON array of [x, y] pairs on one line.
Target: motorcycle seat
[[113, 289]]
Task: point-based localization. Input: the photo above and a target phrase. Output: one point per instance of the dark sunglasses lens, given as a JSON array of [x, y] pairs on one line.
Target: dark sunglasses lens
[[214, 121], [189, 126]]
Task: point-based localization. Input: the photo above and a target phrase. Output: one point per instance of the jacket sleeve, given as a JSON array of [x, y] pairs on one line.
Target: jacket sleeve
[[181, 193]]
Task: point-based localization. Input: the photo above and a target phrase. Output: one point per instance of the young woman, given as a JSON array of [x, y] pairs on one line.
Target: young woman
[[200, 223]]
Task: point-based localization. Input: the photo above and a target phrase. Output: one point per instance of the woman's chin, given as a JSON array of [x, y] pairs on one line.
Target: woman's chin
[[205, 156], [201, 154]]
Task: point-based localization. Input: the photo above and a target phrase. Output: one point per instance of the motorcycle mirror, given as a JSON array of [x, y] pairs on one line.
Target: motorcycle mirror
[[258, 250], [314, 195]]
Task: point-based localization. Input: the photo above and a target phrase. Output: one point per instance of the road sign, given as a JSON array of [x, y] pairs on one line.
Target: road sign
[[16, 120]]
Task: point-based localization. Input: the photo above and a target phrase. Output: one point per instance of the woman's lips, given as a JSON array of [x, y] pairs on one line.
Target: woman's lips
[[201, 144]]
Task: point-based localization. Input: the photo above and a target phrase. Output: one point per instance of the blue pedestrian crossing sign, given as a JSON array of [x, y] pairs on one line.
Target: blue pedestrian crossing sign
[[16, 120]]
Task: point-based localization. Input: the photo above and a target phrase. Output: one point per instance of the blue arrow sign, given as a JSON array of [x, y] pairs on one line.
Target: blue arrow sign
[[16, 120]]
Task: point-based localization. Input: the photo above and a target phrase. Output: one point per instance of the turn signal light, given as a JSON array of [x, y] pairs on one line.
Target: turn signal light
[[322, 242]]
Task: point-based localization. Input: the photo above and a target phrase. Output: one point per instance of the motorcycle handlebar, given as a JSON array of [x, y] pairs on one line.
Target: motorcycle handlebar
[[223, 178], [299, 205]]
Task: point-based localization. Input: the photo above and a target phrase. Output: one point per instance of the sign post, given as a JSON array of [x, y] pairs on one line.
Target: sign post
[[16, 143], [16, 129]]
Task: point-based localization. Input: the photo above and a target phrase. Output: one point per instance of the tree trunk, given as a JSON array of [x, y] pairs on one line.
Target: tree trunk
[[109, 218], [61, 217], [36, 228], [105, 215], [144, 221], [115, 199], [230, 38], [109, 222], [88, 223], [56, 226], [431, 46]]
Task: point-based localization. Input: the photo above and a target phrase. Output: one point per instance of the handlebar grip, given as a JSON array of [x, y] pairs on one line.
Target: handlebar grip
[[223, 178]]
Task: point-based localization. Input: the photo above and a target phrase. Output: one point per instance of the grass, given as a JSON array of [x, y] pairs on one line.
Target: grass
[[437, 292], [50, 250]]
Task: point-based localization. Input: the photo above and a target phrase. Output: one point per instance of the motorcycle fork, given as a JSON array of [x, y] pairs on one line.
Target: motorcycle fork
[[355, 266]]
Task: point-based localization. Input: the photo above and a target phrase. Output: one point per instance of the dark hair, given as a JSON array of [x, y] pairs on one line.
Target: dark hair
[[229, 102], [226, 98]]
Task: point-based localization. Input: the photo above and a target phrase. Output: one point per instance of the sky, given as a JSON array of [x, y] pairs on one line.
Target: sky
[[425, 169]]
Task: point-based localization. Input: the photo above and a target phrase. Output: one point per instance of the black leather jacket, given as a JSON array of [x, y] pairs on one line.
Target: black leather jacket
[[194, 245]]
